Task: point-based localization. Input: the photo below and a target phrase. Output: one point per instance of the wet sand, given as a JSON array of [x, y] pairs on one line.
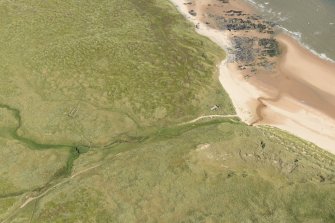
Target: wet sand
[[304, 98], [297, 95]]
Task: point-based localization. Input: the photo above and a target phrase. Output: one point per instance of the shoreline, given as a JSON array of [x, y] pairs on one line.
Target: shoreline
[[293, 35], [296, 35], [260, 100]]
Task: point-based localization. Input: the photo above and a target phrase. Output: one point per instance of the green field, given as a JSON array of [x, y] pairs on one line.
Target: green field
[[93, 95]]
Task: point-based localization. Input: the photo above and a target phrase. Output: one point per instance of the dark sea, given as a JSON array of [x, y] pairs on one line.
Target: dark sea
[[312, 22]]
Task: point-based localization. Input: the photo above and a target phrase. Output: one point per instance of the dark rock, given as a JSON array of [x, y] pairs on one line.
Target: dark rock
[[193, 13]]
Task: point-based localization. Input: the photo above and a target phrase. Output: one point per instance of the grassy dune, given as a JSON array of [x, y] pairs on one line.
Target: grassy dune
[[92, 95]]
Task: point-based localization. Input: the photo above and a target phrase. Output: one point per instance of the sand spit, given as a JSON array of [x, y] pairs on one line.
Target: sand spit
[[296, 95]]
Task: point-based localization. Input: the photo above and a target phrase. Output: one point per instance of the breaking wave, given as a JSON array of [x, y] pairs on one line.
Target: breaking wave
[[296, 35]]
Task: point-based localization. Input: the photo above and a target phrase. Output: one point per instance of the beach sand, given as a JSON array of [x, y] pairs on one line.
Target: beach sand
[[296, 96], [304, 102]]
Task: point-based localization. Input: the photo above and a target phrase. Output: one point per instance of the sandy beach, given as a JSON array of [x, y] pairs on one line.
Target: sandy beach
[[295, 94], [304, 103]]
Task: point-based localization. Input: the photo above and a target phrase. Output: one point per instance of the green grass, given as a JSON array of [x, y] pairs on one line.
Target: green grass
[[91, 97], [121, 65], [176, 179]]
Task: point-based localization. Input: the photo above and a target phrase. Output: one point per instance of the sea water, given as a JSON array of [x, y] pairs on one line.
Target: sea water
[[312, 22]]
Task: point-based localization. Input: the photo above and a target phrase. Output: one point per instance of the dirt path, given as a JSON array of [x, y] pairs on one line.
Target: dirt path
[[209, 116], [30, 199]]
